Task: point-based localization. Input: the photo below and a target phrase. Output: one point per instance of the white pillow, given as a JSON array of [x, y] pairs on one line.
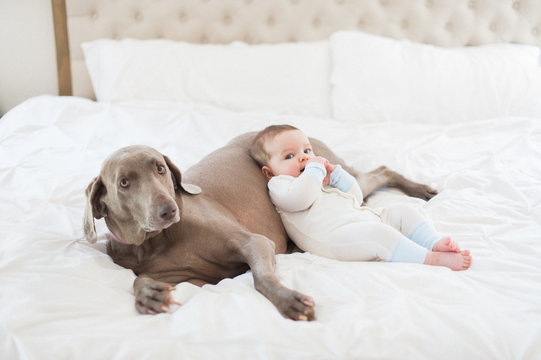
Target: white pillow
[[281, 78], [381, 79]]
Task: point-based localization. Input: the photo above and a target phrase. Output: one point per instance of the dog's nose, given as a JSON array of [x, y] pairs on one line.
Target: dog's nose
[[167, 211]]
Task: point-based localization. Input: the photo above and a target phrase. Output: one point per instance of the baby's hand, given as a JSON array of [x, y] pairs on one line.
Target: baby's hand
[[319, 159], [328, 166]]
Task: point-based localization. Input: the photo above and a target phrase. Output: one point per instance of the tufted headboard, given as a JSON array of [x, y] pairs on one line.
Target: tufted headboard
[[438, 22]]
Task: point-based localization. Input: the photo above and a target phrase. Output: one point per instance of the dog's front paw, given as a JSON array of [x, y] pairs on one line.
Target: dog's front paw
[[153, 297], [295, 306]]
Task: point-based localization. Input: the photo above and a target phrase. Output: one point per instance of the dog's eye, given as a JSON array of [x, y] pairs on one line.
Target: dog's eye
[[124, 183], [160, 168]]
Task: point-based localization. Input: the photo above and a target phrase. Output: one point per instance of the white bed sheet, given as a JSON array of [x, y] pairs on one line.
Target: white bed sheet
[[62, 298]]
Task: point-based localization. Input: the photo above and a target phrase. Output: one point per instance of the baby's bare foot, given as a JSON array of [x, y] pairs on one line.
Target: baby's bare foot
[[452, 260], [446, 244]]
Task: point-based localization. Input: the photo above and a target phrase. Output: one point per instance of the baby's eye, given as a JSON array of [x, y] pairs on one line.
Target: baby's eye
[[289, 156], [307, 151]]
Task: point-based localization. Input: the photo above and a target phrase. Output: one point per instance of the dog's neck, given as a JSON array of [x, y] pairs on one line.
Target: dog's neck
[[116, 238], [148, 235]]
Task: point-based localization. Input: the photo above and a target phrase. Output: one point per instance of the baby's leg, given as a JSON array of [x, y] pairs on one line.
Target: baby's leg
[[416, 227], [407, 219], [446, 244], [408, 251], [364, 241], [426, 235], [358, 241], [452, 260]]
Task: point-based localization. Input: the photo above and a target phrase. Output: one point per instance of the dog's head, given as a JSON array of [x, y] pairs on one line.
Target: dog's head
[[136, 192]]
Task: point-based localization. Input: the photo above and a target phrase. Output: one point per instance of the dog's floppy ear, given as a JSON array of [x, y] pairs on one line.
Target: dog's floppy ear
[[94, 208], [177, 179]]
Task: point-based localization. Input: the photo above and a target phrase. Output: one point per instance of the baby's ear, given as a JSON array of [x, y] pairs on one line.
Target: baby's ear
[[267, 172]]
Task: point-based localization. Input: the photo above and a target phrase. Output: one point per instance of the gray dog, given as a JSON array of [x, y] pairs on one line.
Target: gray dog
[[214, 222]]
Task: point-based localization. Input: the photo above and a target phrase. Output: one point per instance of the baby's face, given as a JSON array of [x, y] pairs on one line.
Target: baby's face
[[289, 153]]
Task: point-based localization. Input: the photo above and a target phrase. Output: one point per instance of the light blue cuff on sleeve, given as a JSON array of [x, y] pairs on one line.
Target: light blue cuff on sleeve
[[316, 170], [425, 235], [406, 251], [341, 179]]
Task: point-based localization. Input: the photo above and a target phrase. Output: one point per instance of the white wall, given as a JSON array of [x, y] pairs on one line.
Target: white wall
[[27, 51]]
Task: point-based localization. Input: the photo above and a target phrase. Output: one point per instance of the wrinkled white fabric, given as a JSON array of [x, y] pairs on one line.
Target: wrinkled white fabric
[[64, 298]]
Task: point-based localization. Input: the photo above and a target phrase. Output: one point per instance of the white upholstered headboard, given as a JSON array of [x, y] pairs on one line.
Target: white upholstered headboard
[[439, 22]]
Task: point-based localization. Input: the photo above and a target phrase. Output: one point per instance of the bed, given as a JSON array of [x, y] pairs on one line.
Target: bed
[[447, 93]]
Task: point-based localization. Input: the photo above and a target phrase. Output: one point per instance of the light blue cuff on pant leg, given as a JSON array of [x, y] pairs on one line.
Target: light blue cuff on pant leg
[[425, 235], [407, 251]]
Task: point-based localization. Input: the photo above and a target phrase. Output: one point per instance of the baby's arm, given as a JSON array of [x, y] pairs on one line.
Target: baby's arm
[[296, 194], [345, 182]]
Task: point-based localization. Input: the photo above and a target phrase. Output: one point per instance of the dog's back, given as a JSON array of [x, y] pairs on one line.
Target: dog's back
[[232, 178]]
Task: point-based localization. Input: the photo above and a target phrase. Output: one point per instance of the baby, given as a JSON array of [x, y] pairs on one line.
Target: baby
[[320, 205]]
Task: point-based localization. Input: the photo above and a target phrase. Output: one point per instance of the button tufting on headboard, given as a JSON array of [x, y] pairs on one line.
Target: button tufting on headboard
[[439, 22], [183, 17]]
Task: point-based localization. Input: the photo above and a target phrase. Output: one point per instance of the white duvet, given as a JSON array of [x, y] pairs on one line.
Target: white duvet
[[62, 298]]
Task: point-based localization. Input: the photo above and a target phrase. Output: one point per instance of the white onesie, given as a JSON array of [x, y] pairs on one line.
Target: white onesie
[[330, 221]]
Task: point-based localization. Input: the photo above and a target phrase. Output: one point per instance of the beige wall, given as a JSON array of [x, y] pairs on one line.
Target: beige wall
[[27, 53]]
